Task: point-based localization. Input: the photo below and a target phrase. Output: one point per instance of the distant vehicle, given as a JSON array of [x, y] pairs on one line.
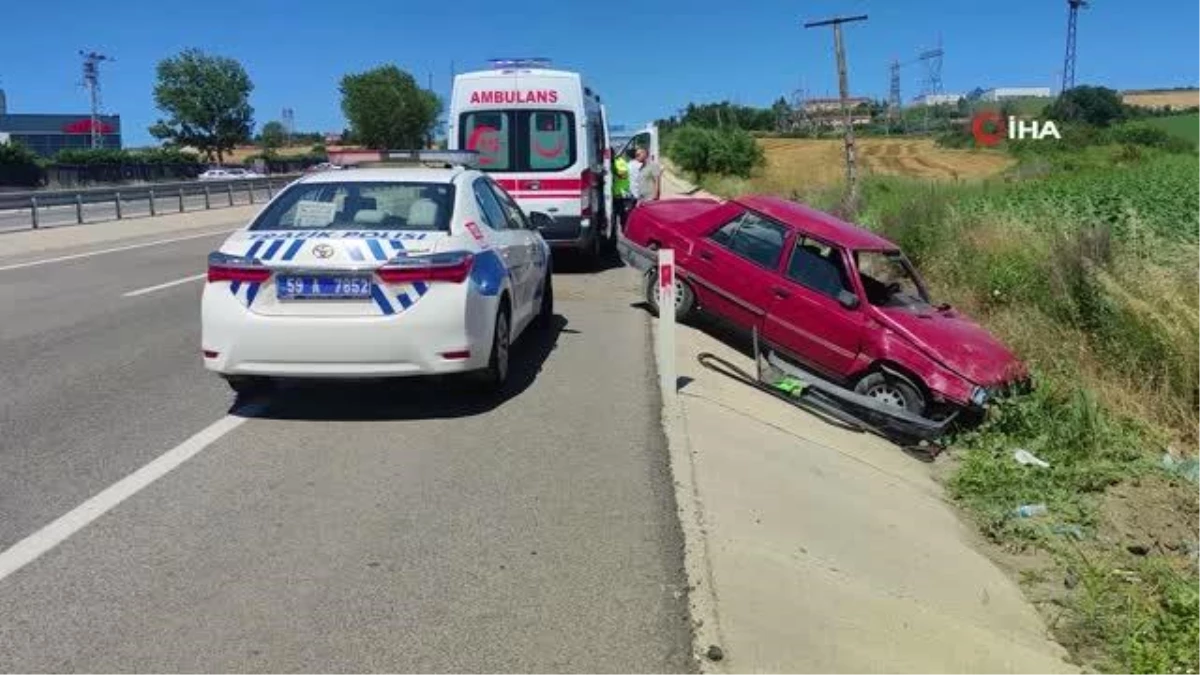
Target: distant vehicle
[[323, 166], [390, 271], [229, 174], [543, 134], [829, 295]]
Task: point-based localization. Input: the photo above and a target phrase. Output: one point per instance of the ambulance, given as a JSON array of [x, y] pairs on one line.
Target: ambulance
[[542, 134]]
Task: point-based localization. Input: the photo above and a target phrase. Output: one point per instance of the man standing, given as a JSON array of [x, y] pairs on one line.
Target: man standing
[[621, 190], [635, 168], [649, 177]]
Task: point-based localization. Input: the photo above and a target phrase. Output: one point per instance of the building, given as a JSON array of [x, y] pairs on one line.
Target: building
[[937, 99], [47, 134], [1002, 93], [827, 112]]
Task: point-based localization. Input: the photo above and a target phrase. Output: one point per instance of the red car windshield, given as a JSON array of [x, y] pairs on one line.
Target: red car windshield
[[889, 280]]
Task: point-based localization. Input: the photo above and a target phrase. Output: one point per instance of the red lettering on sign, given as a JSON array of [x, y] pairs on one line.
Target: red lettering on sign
[[499, 96]]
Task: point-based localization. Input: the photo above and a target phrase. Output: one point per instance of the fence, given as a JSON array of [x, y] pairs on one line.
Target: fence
[[48, 208]]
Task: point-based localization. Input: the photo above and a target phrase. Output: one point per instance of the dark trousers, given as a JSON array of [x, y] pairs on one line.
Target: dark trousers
[[622, 206]]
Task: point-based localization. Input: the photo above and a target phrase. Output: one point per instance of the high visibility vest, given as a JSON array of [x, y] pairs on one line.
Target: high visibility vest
[[621, 181]]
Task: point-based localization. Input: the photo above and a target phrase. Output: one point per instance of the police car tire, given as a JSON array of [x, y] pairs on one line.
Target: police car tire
[[494, 375], [545, 315], [246, 385]]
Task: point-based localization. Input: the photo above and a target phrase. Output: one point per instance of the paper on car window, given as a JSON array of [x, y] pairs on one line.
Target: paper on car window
[[314, 214]]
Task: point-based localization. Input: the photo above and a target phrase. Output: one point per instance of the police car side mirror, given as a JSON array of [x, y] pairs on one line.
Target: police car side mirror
[[540, 221]]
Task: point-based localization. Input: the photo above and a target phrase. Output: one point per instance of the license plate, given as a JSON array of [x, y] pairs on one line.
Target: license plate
[[310, 287]]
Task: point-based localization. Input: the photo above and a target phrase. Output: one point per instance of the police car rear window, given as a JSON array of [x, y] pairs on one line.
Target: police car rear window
[[358, 205]]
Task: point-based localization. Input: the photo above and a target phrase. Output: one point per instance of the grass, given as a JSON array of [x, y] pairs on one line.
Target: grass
[[1186, 126], [1086, 265]]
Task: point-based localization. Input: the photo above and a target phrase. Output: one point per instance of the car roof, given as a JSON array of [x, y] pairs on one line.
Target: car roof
[[405, 174], [817, 223]]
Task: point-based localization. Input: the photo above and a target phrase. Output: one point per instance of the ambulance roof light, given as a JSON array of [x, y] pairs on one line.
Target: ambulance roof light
[[520, 62], [428, 158]]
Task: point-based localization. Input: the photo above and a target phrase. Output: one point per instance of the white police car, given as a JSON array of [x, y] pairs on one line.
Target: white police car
[[388, 268]]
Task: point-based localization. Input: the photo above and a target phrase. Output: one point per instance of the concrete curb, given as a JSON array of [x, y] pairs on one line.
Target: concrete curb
[[702, 595]]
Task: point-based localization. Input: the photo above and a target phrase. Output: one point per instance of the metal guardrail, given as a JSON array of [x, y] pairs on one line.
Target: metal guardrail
[[161, 198]]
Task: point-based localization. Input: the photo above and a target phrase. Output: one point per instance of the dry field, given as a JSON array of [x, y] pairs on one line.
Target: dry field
[[795, 162], [1156, 99]]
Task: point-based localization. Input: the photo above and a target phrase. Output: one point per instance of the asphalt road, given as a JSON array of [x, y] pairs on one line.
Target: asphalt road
[[56, 216], [326, 528]]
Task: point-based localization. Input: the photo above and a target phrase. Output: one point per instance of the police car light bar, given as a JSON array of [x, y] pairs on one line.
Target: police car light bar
[[528, 62], [438, 158]]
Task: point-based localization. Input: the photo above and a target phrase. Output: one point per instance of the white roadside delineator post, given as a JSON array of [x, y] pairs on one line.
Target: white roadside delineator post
[[666, 321]]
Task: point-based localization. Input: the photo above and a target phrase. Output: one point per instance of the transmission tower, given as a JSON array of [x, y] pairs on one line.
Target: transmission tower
[[91, 80], [932, 85], [1068, 81], [894, 100], [289, 123]]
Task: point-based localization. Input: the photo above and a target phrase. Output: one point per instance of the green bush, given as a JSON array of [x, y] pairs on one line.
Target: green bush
[[700, 151], [19, 166], [118, 156]]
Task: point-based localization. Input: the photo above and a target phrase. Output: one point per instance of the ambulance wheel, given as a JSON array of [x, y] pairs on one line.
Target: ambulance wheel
[[595, 251]]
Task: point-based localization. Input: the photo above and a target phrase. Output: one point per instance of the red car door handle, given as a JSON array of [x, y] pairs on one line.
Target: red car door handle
[[705, 255], [781, 293]]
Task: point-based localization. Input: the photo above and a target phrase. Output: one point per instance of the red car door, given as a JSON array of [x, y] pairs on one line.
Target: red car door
[[817, 314], [734, 267]]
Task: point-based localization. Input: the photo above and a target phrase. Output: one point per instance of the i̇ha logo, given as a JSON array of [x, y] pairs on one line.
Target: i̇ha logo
[[989, 128]]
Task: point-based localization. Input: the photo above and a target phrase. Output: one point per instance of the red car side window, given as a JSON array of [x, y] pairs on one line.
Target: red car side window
[[754, 238]]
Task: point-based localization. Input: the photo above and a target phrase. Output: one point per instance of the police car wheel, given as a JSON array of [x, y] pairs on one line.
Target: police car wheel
[[496, 374], [247, 385], [545, 315]]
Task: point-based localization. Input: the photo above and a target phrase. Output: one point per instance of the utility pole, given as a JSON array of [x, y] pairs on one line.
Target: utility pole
[[91, 80], [850, 204]]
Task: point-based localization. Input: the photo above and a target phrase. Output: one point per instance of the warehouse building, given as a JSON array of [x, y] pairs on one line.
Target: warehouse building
[[1002, 93], [46, 134]]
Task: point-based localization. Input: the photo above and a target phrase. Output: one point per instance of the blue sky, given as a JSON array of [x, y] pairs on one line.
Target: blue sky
[[647, 59]]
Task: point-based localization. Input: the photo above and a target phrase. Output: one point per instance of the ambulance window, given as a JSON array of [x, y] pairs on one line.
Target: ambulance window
[[487, 132], [550, 140]]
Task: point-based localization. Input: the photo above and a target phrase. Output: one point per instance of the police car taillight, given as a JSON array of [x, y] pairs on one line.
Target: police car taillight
[[452, 267], [225, 267]]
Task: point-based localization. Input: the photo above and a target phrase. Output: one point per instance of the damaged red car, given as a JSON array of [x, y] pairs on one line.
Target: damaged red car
[[828, 295]]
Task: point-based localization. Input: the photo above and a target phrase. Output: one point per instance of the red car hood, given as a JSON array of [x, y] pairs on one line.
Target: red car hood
[[957, 342]]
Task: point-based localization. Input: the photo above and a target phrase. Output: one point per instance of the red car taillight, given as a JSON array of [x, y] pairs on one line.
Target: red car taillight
[[225, 267], [449, 267]]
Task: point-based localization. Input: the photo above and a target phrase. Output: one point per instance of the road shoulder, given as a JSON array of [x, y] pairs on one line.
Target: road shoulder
[[70, 239]]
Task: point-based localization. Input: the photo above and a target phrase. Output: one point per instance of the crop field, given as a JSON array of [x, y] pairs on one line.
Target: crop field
[[1186, 127], [805, 164], [1150, 98]]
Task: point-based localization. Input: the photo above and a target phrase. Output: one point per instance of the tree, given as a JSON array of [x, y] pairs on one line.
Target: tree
[[274, 135], [207, 101], [1098, 106], [388, 109]]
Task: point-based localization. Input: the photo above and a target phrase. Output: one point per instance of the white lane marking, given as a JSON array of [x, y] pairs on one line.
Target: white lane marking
[[76, 256], [158, 287], [30, 548]]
